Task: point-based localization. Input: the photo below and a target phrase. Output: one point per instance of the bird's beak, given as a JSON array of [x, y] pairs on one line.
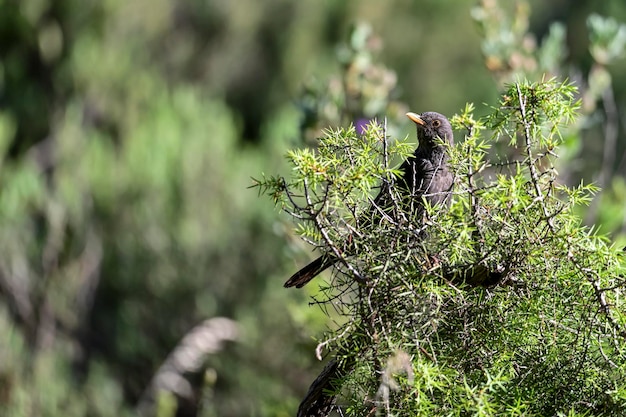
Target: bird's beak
[[415, 118]]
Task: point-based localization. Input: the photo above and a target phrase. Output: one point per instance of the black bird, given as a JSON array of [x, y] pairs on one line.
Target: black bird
[[426, 176]]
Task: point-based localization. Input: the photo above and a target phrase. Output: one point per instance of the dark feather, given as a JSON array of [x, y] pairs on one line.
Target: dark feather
[[426, 177]]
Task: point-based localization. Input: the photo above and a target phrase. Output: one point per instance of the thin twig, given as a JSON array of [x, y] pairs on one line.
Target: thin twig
[[320, 346], [531, 166], [599, 293]]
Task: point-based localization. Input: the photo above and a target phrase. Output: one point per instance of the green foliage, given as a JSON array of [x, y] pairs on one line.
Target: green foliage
[[513, 53], [112, 255], [129, 131], [363, 90], [608, 38], [510, 49], [507, 306], [546, 107]]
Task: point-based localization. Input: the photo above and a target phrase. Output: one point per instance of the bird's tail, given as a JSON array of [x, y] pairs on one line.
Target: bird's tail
[[306, 274]]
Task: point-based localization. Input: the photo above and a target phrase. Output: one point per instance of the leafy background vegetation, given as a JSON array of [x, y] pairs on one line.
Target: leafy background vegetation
[[130, 131]]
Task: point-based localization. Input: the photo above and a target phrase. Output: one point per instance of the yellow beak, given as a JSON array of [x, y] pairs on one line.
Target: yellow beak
[[415, 118]]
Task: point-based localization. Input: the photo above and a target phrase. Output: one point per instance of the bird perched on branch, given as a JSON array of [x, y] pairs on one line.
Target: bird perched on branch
[[426, 177]]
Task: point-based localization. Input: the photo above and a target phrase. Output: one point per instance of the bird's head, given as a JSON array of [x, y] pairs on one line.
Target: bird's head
[[430, 126]]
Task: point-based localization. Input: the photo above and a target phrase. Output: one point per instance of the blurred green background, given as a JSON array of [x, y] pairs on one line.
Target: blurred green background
[[129, 133]]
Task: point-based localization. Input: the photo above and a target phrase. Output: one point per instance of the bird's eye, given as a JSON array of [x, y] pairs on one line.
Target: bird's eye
[[436, 123]]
